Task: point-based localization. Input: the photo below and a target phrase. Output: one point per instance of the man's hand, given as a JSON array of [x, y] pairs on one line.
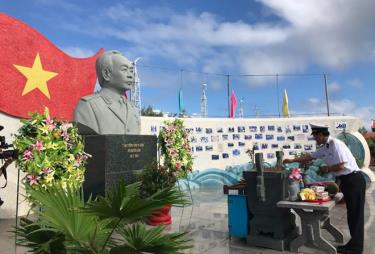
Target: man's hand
[[288, 161], [323, 170]]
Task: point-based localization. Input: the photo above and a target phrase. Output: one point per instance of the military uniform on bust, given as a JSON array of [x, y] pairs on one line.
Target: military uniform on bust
[[109, 112], [121, 116]]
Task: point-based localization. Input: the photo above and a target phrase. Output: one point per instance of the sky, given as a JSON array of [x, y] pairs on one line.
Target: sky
[[261, 47]]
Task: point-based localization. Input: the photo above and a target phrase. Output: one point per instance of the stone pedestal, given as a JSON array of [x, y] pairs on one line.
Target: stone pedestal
[[115, 158], [270, 226]]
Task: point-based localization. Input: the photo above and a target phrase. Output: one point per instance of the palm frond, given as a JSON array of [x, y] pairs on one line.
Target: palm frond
[[125, 203], [37, 239], [61, 213], [140, 239]]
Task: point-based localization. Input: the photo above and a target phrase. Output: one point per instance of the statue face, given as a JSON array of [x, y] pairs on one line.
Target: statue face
[[122, 76]]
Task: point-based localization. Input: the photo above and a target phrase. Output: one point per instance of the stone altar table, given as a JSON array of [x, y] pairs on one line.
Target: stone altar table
[[314, 216]]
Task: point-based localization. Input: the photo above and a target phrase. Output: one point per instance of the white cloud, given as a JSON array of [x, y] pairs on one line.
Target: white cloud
[[314, 101], [78, 52], [341, 107], [348, 107], [204, 29], [329, 35], [356, 83], [332, 34], [333, 87], [61, 4]]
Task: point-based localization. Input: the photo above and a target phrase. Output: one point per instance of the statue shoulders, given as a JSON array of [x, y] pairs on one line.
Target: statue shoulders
[[90, 97]]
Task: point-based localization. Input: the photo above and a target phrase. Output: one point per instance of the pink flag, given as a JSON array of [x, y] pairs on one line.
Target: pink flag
[[233, 105]]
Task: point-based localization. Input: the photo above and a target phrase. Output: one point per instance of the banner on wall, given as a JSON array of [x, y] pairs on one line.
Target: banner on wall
[[36, 74]]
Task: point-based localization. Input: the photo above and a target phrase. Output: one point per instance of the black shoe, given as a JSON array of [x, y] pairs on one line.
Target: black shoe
[[1, 202]]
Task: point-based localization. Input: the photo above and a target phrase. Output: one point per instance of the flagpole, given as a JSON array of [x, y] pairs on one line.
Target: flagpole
[[277, 93], [228, 95], [326, 91], [179, 93]]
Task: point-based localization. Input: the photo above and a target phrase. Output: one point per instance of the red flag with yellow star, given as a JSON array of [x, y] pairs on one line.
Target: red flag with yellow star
[[35, 74]]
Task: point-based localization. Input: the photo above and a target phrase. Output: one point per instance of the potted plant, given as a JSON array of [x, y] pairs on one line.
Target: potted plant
[[176, 162], [154, 178], [108, 225]]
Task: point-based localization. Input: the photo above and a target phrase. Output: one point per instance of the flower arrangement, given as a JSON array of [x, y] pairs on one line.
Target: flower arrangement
[[50, 151], [295, 175], [175, 148]]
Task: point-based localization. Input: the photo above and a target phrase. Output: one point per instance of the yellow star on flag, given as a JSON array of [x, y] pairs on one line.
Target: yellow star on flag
[[36, 77]]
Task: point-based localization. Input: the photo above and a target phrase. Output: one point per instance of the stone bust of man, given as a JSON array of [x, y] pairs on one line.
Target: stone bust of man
[[109, 112]]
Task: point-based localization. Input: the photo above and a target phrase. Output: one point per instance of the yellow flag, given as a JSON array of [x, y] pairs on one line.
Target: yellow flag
[[285, 105]]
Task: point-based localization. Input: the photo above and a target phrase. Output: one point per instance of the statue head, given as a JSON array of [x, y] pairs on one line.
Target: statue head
[[115, 71]]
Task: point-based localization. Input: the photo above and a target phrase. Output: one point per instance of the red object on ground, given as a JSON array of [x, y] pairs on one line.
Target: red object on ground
[[162, 216], [36, 74]]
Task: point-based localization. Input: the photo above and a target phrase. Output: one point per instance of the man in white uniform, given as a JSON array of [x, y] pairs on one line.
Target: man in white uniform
[[342, 163]]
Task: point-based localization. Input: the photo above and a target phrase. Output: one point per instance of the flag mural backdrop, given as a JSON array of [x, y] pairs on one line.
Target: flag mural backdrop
[[35, 74], [233, 105]]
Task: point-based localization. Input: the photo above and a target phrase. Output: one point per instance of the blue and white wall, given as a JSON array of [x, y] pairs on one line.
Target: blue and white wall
[[221, 143]]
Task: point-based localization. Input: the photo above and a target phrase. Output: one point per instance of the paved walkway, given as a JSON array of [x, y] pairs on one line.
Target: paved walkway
[[207, 222]]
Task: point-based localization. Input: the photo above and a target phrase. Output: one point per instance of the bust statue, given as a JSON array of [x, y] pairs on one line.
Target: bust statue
[[109, 111]]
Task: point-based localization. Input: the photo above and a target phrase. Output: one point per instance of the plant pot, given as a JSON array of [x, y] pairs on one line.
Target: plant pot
[[161, 216]]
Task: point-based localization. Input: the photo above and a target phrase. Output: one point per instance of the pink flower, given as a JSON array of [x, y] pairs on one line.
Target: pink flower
[[172, 152], [178, 165], [49, 123], [28, 155], [295, 174], [38, 145], [171, 128], [46, 171], [65, 135], [66, 126], [33, 179], [80, 158]]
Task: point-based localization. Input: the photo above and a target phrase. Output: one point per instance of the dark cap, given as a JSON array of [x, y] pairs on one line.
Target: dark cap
[[316, 128]]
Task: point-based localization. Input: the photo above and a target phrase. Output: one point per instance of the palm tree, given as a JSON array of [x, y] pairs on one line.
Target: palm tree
[[65, 223]]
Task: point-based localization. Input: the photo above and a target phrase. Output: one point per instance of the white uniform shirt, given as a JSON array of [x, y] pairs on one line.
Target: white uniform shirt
[[334, 152]]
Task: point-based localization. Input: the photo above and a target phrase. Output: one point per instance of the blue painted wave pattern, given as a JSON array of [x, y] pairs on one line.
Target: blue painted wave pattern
[[215, 177]]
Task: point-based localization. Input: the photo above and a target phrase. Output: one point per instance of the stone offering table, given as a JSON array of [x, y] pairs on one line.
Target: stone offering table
[[314, 216]]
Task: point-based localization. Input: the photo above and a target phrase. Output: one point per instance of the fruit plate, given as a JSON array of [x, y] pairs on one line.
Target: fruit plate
[[321, 200]]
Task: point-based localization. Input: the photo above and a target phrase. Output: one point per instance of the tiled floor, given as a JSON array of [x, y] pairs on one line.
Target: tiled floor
[[206, 221]]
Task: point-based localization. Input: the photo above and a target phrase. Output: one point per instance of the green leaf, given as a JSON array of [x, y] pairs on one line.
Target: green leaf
[[125, 203], [140, 239], [60, 213]]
